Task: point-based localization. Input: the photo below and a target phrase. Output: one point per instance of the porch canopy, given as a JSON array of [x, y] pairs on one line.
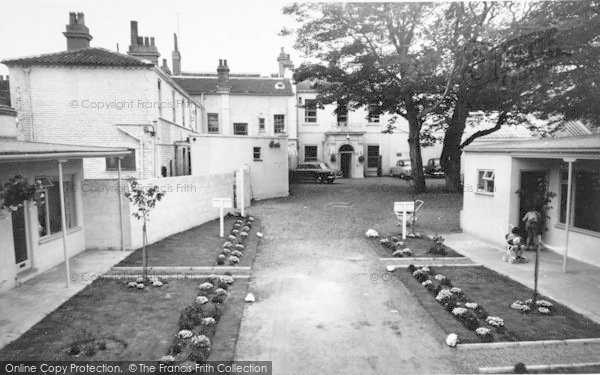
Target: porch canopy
[[14, 151], [567, 149]]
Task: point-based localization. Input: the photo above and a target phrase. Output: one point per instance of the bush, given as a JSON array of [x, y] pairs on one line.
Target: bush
[[438, 247]]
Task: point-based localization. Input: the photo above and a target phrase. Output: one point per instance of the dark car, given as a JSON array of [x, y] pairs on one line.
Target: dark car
[[314, 171], [434, 169]]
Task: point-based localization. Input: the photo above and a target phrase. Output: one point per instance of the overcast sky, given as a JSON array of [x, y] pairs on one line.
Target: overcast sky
[[243, 32]]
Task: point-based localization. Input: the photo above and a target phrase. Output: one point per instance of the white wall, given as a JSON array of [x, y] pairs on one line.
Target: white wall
[[213, 154], [8, 270]]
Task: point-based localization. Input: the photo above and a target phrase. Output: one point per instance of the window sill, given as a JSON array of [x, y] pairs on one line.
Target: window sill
[[485, 193], [578, 230], [258, 160], [54, 236], [122, 170]]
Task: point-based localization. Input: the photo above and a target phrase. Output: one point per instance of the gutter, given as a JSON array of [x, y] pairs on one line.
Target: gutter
[[60, 155]]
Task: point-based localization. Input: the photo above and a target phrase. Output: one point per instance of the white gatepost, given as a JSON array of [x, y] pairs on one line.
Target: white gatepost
[[221, 204]]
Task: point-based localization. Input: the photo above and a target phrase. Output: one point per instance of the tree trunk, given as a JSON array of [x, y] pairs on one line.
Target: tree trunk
[[144, 257], [451, 152], [414, 143]]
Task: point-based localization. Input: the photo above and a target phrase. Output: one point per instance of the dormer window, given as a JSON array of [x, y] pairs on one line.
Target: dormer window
[[279, 86]]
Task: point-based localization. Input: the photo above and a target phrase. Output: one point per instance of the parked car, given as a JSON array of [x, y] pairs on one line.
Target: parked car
[[434, 169], [317, 171], [402, 169]]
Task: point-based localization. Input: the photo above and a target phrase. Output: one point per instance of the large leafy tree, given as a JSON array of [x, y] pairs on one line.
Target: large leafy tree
[[372, 54]]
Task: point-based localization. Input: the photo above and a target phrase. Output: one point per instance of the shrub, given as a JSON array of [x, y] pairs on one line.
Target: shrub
[[438, 247]]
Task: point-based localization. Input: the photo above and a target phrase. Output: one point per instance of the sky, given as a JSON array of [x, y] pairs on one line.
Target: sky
[[243, 32]]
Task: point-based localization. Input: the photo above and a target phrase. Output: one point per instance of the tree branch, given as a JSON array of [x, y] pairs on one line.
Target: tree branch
[[501, 121]]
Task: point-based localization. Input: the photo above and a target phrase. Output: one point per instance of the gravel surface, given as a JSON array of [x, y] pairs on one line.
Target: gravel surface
[[323, 304]]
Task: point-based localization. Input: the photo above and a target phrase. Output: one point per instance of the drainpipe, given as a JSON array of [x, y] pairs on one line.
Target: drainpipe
[[63, 220], [570, 161], [27, 79], [120, 193]]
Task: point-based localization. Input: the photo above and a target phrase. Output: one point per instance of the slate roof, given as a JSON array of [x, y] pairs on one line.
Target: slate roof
[[582, 144], [266, 86], [14, 149], [571, 128], [81, 57]]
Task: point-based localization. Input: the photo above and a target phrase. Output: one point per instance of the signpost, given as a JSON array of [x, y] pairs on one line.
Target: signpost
[[221, 204], [401, 209]]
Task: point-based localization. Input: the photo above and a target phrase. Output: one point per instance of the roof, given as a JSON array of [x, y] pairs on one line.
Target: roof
[[558, 147], [14, 150], [247, 85], [81, 57], [568, 129]]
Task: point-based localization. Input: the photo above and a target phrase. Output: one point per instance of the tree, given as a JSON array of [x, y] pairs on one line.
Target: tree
[[144, 198], [16, 191], [370, 54]]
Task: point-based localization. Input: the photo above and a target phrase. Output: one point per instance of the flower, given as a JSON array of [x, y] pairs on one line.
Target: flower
[[417, 273], [140, 285], [407, 251], [439, 277], [482, 331], [543, 303], [443, 295], [397, 253], [425, 269], [471, 305], [201, 300], [239, 246], [234, 260], [167, 358], [228, 244], [221, 292], [157, 283], [208, 321], [132, 284], [206, 286], [237, 253], [244, 234], [544, 310], [185, 334], [458, 311], [452, 340], [495, 321], [426, 282], [518, 305], [246, 228], [231, 237], [139, 279], [259, 234], [227, 279], [456, 290], [201, 341]]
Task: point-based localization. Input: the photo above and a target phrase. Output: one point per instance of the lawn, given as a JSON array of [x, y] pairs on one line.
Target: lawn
[[123, 323], [495, 293], [419, 247], [196, 247]]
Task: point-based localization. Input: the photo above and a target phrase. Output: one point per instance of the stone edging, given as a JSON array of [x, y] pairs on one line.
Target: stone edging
[[517, 344], [439, 261], [180, 270], [510, 369]]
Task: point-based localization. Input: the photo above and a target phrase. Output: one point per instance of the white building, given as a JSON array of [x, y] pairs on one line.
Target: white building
[[501, 180]]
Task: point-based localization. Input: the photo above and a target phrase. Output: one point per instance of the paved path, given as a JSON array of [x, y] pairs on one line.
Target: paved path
[[24, 306], [322, 306], [573, 289]]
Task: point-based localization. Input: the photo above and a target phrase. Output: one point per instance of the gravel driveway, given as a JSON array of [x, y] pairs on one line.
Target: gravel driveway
[[322, 305]]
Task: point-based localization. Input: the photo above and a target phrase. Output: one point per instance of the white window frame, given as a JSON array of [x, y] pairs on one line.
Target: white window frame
[[208, 129], [276, 124], [488, 176]]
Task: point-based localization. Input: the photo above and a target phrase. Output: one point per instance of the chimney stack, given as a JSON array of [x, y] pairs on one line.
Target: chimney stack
[[165, 67], [77, 34], [142, 46], [223, 76], [176, 58], [284, 62]]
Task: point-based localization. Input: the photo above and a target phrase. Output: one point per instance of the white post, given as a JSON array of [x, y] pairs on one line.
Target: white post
[[222, 231], [568, 213], [404, 222], [63, 220], [242, 188], [120, 193]]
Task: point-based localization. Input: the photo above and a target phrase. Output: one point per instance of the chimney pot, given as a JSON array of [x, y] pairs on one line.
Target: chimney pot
[[77, 34]]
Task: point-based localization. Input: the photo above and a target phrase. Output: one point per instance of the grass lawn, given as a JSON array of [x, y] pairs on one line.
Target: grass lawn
[[593, 369], [128, 323], [196, 247], [419, 246], [495, 293]]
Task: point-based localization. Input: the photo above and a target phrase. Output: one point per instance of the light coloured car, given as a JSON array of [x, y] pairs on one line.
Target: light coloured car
[[402, 169]]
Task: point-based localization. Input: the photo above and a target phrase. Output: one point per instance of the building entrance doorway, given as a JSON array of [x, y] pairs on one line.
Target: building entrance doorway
[[346, 152], [20, 239]]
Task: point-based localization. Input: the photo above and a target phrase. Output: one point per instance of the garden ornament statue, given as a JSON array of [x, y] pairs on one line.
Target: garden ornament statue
[[514, 248], [532, 227]]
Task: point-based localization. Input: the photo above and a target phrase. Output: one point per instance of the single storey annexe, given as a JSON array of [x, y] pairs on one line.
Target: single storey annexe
[[502, 182]]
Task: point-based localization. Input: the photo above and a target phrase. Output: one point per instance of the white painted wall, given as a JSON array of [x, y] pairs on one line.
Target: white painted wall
[[8, 271], [214, 154]]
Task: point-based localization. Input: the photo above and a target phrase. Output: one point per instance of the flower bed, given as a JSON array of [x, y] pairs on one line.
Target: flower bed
[[464, 300], [235, 245], [418, 246]]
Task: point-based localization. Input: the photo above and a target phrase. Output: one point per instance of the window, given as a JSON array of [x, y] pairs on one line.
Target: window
[[585, 199], [310, 153], [257, 153], [310, 110], [485, 181], [342, 114], [159, 99], [261, 124], [279, 123], [240, 128], [127, 163], [174, 104], [213, 123], [48, 203], [183, 107], [373, 116], [373, 156]]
